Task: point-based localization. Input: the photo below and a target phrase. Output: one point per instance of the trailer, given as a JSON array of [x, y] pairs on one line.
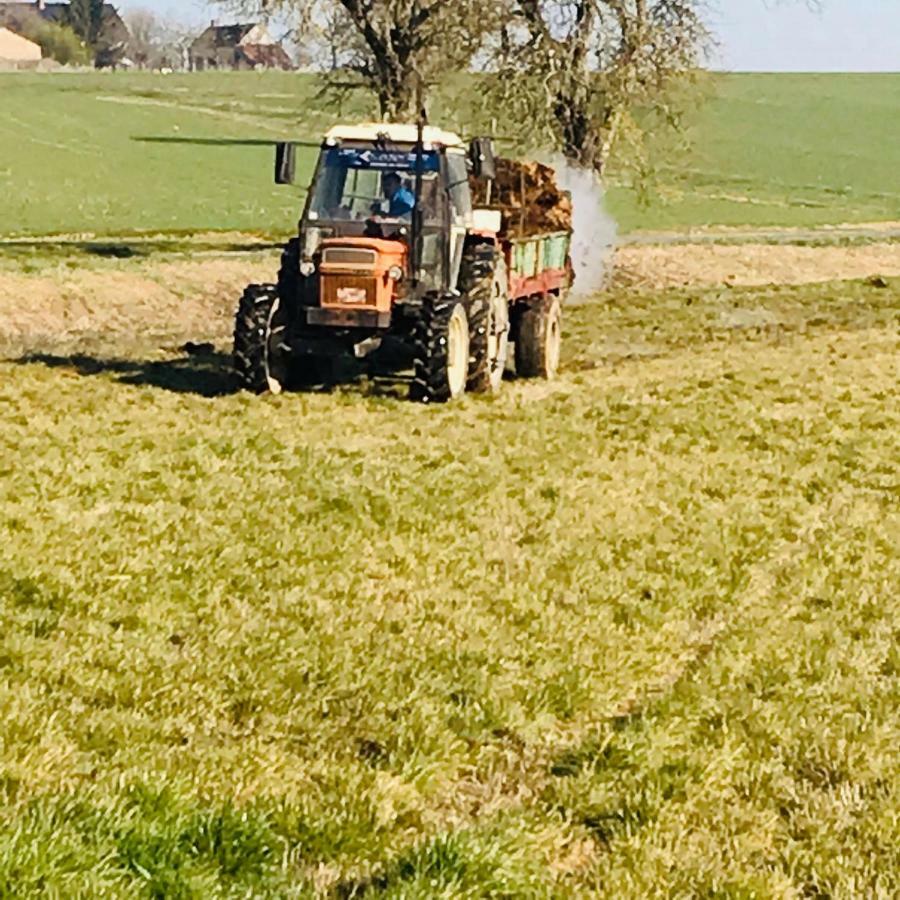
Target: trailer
[[540, 275]]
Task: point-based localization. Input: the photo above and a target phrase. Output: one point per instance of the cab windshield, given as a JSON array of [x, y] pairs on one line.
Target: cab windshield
[[356, 184]]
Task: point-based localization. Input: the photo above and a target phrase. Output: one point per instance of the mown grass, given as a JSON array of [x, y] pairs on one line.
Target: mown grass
[[106, 154], [631, 634]]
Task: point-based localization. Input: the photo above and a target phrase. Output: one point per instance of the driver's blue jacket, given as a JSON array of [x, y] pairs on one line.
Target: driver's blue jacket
[[402, 203]]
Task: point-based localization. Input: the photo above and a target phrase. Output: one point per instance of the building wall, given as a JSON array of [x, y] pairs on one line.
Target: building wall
[[210, 57], [16, 49]]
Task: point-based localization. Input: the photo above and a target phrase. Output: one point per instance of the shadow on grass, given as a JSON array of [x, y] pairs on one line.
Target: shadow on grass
[[207, 373], [126, 248], [218, 142]]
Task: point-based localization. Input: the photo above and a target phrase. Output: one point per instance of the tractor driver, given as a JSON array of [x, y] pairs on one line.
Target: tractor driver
[[401, 200]]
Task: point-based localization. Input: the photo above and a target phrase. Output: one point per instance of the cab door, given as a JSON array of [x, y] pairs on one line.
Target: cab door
[[460, 202]]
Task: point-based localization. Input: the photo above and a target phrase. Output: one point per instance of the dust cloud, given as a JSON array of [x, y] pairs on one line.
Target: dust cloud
[[594, 240]]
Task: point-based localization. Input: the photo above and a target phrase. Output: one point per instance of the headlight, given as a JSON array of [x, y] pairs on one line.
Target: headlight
[[307, 268], [396, 273], [312, 241]]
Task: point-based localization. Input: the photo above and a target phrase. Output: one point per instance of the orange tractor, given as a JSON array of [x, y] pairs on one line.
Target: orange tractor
[[390, 244]]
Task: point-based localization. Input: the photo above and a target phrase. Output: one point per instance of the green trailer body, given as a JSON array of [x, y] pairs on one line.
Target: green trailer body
[[538, 264]]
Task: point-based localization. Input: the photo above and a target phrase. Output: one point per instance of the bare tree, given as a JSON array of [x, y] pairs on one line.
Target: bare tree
[[578, 71], [341, 44], [146, 38], [157, 43], [390, 45], [86, 19]]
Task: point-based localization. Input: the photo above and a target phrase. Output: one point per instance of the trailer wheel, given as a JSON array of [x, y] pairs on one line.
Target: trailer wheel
[[442, 351], [486, 285], [262, 360], [539, 338]]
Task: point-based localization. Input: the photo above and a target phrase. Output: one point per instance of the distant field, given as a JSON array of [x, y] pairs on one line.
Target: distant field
[[632, 634], [75, 154], [798, 150]]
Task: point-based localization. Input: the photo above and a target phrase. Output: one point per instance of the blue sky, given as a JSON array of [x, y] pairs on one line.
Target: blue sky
[[756, 35]]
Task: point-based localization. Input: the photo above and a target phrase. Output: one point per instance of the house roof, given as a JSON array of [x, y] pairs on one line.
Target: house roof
[[270, 56], [52, 11], [226, 35]]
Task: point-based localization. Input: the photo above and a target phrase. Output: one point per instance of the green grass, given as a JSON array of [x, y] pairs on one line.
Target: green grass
[[75, 155], [632, 634], [765, 150], [795, 150]]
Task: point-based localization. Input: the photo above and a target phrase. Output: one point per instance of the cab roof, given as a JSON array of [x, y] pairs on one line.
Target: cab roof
[[398, 134]]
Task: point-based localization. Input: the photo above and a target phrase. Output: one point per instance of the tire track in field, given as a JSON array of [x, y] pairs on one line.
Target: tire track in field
[[875, 231], [656, 267], [528, 773], [256, 121], [23, 128]]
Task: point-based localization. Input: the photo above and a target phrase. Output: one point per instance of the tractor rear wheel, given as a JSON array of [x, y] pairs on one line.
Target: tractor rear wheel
[[485, 283], [262, 358], [539, 338], [441, 340]]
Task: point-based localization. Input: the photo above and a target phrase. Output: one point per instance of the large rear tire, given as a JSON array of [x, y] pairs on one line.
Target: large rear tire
[[441, 341], [262, 358], [485, 284], [539, 338]]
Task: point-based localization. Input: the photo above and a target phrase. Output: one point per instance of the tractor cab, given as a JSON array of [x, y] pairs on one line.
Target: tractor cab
[[389, 199]]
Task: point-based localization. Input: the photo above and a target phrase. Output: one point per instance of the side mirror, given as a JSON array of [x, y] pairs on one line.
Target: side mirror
[[481, 156], [285, 163]]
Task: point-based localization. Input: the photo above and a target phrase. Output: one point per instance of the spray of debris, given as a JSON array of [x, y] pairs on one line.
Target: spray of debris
[[594, 240]]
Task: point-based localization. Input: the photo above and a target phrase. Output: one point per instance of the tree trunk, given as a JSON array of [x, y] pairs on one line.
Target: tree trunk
[[582, 140], [394, 45], [397, 90]]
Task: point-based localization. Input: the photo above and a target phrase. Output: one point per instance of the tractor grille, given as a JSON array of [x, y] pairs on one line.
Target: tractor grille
[[349, 256], [345, 290]]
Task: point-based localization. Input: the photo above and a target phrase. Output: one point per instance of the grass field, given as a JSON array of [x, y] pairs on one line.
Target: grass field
[[799, 150], [631, 634], [75, 154]]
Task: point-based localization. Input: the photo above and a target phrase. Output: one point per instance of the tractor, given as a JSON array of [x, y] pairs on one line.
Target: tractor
[[391, 245]]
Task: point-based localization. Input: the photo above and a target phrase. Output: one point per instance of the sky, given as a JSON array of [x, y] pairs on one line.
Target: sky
[[753, 35]]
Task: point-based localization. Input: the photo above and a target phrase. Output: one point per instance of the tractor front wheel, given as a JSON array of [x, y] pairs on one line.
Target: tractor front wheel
[[442, 351], [539, 338], [262, 357], [486, 287]]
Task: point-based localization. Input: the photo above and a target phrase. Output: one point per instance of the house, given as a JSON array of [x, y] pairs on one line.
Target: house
[[17, 52], [237, 47], [114, 35]]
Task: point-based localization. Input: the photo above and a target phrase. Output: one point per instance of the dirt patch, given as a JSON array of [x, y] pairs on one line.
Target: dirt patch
[[751, 264], [115, 304], [144, 301], [770, 233]]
